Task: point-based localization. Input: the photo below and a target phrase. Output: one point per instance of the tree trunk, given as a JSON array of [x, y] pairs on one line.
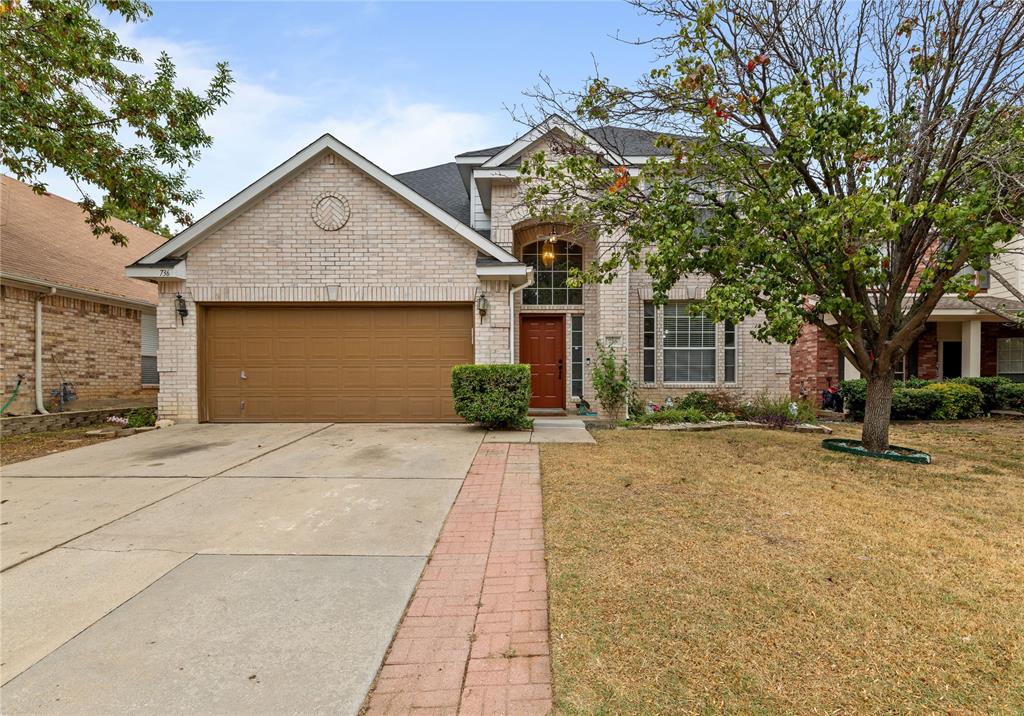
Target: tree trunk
[[875, 433]]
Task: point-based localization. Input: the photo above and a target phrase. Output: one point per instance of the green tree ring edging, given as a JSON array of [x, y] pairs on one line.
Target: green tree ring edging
[[854, 447]]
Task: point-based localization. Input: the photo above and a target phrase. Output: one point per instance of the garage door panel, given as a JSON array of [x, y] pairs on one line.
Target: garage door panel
[[421, 348], [257, 378], [224, 378], [226, 407], [257, 348], [337, 363], [225, 347], [390, 348], [290, 348], [324, 347], [325, 377], [450, 349], [355, 348]]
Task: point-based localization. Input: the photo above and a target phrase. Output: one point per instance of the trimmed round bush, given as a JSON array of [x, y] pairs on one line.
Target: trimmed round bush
[[989, 387], [1010, 396], [915, 403], [494, 395], [959, 401]]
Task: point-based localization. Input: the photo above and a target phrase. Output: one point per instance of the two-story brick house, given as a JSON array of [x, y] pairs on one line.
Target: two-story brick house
[[331, 290]]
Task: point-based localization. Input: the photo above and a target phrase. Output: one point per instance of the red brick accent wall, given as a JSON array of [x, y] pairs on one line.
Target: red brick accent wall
[[928, 353], [813, 360], [990, 333], [96, 345]]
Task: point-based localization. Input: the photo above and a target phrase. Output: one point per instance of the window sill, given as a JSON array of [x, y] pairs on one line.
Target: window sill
[[151, 386]]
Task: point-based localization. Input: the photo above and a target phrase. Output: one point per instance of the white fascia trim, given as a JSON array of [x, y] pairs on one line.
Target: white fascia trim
[[157, 273], [471, 160], [197, 232], [549, 124], [81, 293], [496, 174], [519, 270]]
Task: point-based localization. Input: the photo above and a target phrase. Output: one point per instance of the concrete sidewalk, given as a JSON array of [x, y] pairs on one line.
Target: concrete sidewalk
[[562, 429]]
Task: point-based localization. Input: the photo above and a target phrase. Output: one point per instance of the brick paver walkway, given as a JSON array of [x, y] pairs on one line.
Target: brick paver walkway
[[475, 637]]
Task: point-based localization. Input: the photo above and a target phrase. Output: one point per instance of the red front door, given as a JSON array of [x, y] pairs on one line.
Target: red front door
[[542, 346]]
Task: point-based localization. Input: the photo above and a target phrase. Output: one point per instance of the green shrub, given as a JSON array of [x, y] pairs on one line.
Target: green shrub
[[855, 395], [612, 385], [989, 387], [670, 415], [1010, 396], [699, 400], [496, 396], [141, 418], [959, 401], [915, 403], [917, 399], [778, 410]]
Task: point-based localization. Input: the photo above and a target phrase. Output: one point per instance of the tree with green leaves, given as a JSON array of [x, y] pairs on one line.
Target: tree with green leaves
[[70, 102], [838, 163]]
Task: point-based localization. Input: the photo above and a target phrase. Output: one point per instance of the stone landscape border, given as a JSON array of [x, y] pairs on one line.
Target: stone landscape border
[[727, 424], [19, 424]]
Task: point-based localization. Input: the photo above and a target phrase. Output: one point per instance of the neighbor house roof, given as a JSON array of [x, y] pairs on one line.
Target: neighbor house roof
[[443, 186], [44, 240], [954, 303]]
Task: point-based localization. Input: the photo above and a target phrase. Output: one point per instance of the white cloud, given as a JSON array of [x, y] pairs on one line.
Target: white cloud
[[260, 127]]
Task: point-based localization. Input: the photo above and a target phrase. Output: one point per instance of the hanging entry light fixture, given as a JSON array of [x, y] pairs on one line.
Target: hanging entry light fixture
[[547, 254]]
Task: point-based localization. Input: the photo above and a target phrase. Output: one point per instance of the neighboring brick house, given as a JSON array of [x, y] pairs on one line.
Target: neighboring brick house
[[330, 290], [960, 339], [98, 326]]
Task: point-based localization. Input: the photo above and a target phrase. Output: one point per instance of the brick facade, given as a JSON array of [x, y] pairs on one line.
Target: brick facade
[[815, 363], [388, 251], [990, 333], [95, 345]]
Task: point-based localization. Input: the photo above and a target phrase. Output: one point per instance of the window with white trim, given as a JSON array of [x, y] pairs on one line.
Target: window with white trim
[[149, 343], [1010, 358], [688, 349], [576, 356], [730, 352], [649, 349]]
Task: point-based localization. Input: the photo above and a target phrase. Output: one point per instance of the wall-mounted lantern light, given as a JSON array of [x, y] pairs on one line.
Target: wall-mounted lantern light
[[181, 307], [482, 305]]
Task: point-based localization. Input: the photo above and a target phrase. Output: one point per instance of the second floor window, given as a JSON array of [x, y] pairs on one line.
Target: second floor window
[[551, 262]]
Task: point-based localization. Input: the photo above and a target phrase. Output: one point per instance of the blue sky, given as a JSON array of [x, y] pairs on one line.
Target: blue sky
[[406, 84]]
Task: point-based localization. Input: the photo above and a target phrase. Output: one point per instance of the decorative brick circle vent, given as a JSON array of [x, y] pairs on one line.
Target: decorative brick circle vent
[[331, 211]]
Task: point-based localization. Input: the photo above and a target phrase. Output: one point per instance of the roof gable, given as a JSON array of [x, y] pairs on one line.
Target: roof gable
[[551, 124], [198, 231]]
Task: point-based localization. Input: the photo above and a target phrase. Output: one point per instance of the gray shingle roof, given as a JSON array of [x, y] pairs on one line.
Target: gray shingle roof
[[443, 186], [624, 140]]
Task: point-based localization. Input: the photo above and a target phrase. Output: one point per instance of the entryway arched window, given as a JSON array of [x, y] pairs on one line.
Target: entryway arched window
[[551, 262]]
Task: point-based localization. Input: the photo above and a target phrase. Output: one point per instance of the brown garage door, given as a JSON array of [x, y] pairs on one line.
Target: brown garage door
[[333, 364]]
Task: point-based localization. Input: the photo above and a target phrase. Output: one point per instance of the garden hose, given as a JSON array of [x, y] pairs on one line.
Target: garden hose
[[17, 387]]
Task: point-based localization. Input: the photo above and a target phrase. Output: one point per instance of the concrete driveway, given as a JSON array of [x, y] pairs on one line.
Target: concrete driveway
[[218, 569]]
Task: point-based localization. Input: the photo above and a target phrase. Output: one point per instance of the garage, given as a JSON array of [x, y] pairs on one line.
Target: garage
[[349, 363]]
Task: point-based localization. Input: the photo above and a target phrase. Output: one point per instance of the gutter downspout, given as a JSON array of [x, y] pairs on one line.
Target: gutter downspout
[[39, 351], [512, 317]]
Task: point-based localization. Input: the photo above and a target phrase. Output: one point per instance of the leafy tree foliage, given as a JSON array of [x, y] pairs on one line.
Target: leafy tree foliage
[[835, 163], [70, 101]]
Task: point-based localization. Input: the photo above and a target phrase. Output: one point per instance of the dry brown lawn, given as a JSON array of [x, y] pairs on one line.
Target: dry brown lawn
[[753, 572], [16, 448]]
